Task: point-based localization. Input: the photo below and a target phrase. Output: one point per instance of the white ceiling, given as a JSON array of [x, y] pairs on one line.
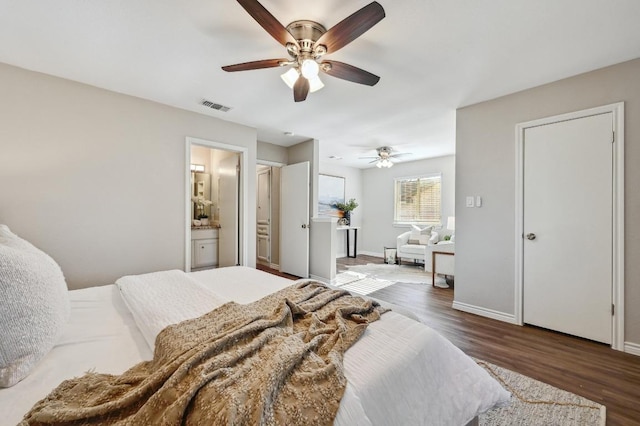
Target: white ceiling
[[433, 56]]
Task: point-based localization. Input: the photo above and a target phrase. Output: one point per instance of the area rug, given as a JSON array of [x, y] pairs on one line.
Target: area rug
[[360, 283], [537, 403], [398, 273]]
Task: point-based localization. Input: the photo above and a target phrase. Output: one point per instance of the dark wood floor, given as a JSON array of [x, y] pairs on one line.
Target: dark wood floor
[[589, 369]]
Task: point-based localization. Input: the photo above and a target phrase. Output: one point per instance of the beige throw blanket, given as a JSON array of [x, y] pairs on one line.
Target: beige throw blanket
[[277, 361]]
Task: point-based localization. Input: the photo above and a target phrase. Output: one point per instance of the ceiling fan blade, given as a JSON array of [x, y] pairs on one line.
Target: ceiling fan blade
[[349, 72], [400, 154], [255, 65], [300, 89], [352, 27], [267, 21]]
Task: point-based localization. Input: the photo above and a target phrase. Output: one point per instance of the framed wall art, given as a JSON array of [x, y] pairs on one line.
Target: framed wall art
[[330, 191]]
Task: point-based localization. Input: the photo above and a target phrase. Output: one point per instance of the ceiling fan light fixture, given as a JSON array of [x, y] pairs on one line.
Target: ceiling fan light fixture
[[315, 84], [384, 162], [309, 69], [290, 77]]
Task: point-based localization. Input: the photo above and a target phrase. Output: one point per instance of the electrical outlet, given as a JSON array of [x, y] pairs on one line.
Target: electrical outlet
[[478, 201], [470, 202]]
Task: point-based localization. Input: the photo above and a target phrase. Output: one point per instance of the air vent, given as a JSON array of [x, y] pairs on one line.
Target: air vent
[[216, 106]]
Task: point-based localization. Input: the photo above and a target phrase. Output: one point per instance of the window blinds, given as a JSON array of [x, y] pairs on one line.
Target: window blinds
[[417, 200]]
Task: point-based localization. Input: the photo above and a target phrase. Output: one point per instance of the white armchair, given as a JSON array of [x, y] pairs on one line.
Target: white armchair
[[423, 253]]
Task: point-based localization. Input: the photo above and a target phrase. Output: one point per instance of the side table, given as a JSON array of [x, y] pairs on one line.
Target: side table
[[433, 264]]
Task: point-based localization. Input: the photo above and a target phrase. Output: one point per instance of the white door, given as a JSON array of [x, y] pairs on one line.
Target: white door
[[228, 200], [294, 219], [263, 215], [567, 252]]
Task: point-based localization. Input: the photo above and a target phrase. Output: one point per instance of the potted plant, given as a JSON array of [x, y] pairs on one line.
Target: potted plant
[[346, 209], [201, 214]]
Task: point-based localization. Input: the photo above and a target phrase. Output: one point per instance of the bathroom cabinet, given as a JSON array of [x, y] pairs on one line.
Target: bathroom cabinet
[[204, 248]]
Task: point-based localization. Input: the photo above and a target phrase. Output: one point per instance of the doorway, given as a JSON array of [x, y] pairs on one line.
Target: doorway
[[570, 224], [225, 169], [268, 215]]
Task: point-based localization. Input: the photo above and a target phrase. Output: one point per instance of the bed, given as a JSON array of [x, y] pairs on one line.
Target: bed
[[399, 372]]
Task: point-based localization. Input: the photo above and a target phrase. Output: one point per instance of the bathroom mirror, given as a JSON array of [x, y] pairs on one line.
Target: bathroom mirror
[[201, 183]]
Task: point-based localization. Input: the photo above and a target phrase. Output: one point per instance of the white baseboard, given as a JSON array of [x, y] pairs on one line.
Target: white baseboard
[[371, 253], [484, 312], [632, 348]]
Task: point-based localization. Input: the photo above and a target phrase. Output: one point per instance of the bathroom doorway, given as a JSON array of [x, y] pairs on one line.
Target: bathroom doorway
[[215, 194]]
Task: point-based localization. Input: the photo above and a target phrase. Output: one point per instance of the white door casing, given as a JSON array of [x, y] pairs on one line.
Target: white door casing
[[570, 195], [294, 219], [228, 201]]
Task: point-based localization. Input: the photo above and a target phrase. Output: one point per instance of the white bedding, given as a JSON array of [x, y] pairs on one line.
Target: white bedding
[[101, 335], [399, 372]]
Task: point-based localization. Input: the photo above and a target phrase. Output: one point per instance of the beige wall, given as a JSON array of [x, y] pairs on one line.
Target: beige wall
[[96, 179], [485, 165], [308, 151], [273, 153]]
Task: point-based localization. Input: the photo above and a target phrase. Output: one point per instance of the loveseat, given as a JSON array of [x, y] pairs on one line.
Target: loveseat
[[407, 251]]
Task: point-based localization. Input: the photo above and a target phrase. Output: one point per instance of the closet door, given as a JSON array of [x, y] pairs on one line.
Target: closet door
[[568, 205], [263, 215]]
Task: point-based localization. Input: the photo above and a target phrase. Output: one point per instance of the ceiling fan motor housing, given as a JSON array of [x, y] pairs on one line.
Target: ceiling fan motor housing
[[384, 152], [306, 32]]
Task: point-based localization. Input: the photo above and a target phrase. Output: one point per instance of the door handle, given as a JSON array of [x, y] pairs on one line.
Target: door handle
[[305, 226], [531, 236]]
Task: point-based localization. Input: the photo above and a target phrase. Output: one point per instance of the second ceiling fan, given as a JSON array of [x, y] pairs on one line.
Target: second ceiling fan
[[307, 42]]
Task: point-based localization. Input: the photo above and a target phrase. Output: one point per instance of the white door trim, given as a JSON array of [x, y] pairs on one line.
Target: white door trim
[[244, 196], [617, 110]]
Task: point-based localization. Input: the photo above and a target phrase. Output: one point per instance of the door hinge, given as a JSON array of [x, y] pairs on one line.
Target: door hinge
[[613, 136], [613, 309]]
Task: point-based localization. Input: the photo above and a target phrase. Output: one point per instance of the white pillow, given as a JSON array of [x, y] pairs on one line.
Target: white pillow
[[434, 238], [420, 235], [34, 306]]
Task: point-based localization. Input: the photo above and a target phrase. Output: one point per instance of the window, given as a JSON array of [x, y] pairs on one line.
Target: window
[[417, 200]]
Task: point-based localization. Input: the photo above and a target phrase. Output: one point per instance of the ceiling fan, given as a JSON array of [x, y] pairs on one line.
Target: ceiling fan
[[383, 159], [307, 42]]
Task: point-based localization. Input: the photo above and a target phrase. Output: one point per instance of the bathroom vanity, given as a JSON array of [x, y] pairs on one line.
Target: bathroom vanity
[[204, 248]]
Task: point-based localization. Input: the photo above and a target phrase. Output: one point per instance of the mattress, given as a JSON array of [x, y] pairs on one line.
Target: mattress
[[399, 372]]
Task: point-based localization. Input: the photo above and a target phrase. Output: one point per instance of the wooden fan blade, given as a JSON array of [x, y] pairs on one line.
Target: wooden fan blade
[[255, 65], [352, 27], [300, 89], [349, 72], [267, 21]]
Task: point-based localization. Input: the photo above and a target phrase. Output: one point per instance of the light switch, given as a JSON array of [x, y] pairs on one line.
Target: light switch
[[470, 201], [478, 201]]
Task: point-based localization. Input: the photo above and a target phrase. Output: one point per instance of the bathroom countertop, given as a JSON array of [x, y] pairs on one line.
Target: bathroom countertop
[[206, 227]]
